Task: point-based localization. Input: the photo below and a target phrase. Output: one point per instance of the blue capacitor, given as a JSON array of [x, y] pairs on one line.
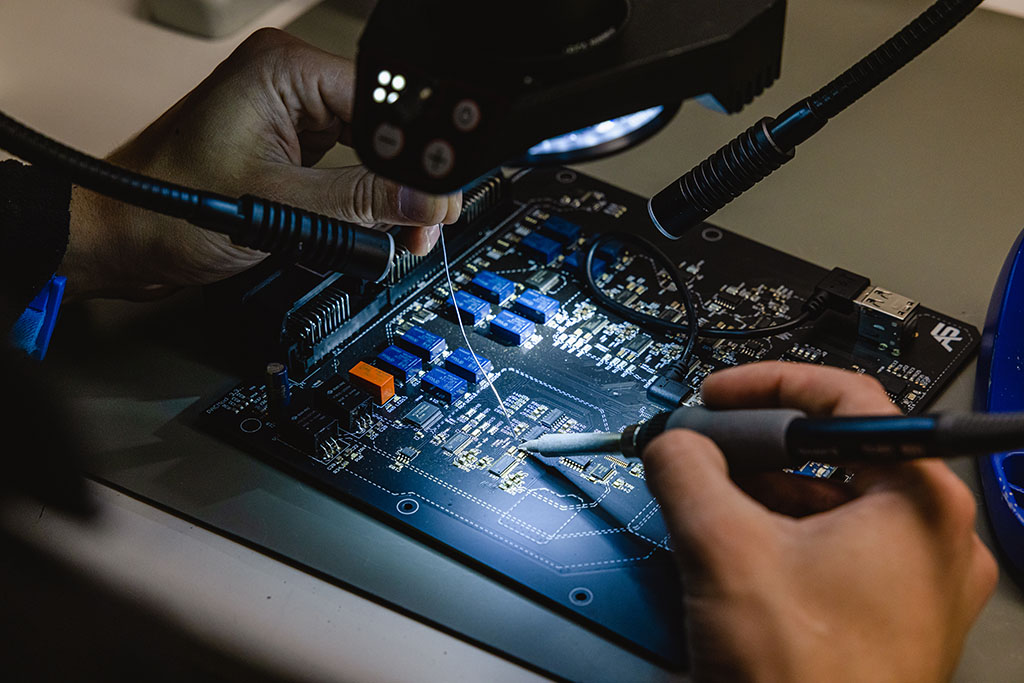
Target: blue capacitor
[[542, 249], [509, 328], [472, 309], [493, 288], [423, 344], [399, 363], [562, 231], [444, 385], [535, 306], [461, 363]]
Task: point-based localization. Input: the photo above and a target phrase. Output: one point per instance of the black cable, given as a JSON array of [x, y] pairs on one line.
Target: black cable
[[812, 307], [315, 240], [627, 313], [670, 387], [771, 142]]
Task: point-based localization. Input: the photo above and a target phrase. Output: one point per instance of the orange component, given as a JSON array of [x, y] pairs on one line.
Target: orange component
[[377, 383]]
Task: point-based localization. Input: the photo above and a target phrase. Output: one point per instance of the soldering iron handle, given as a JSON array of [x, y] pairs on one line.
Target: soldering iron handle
[[751, 440]]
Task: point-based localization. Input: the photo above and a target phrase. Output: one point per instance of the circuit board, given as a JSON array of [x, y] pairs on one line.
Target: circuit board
[[388, 412]]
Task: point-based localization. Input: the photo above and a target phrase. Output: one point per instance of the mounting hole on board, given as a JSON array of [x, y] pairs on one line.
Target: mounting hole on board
[[581, 596], [711, 234], [407, 506], [565, 177]]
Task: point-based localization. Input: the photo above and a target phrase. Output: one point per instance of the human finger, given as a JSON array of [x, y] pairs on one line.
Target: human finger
[[709, 517], [817, 390], [355, 194], [418, 240]]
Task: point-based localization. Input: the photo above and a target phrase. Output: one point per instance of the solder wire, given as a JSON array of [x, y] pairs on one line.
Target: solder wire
[[462, 328]]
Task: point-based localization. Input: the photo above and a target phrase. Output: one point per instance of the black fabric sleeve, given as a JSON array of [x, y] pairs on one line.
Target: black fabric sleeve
[[34, 219]]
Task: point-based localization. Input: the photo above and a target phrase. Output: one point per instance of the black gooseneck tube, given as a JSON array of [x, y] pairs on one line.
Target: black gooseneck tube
[[315, 240], [771, 142]]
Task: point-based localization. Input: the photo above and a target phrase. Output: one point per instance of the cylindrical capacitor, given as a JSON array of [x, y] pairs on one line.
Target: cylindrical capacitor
[[279, 393]]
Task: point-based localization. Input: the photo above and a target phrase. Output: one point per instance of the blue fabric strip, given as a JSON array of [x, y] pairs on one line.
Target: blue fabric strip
[[32, 331]]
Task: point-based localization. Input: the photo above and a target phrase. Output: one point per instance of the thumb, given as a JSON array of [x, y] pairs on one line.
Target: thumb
[[711, 520], [357, 195]]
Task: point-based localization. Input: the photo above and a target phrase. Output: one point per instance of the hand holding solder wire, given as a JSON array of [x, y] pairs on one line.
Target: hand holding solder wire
[[792, 578], [255, 126]]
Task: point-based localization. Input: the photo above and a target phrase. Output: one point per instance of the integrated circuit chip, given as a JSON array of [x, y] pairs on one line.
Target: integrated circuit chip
[[460, 362], [444, 385], [544, 281], [594, 325], [493, 288], [509, 328], [457, 443], [533, 432], [471, 309], [894, 386], [540, 248], [399, 363], [638, 344], [551, 417], [424, 415], [422, 343], [502, 466], [535, 306]]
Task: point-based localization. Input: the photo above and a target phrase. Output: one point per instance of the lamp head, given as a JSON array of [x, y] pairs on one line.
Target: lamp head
[[447, 90]]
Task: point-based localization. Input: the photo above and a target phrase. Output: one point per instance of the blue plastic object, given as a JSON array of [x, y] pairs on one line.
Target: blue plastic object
[[493, 288], [999, 387], [462, 363], [444, 385], [472, 309], [560, 230], [420, 342], [399, 363], [576, 259], [509, 328], [535, 306], [34, 327], [542, 249]]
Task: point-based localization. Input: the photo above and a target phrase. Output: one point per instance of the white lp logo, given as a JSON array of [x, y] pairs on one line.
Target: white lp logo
[[946, 335]]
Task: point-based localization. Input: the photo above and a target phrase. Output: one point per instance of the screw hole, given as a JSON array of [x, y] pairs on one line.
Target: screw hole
[[711, 234], [581, 596]]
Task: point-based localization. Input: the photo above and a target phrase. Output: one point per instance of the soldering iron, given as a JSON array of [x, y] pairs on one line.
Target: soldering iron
[[759, 440]]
